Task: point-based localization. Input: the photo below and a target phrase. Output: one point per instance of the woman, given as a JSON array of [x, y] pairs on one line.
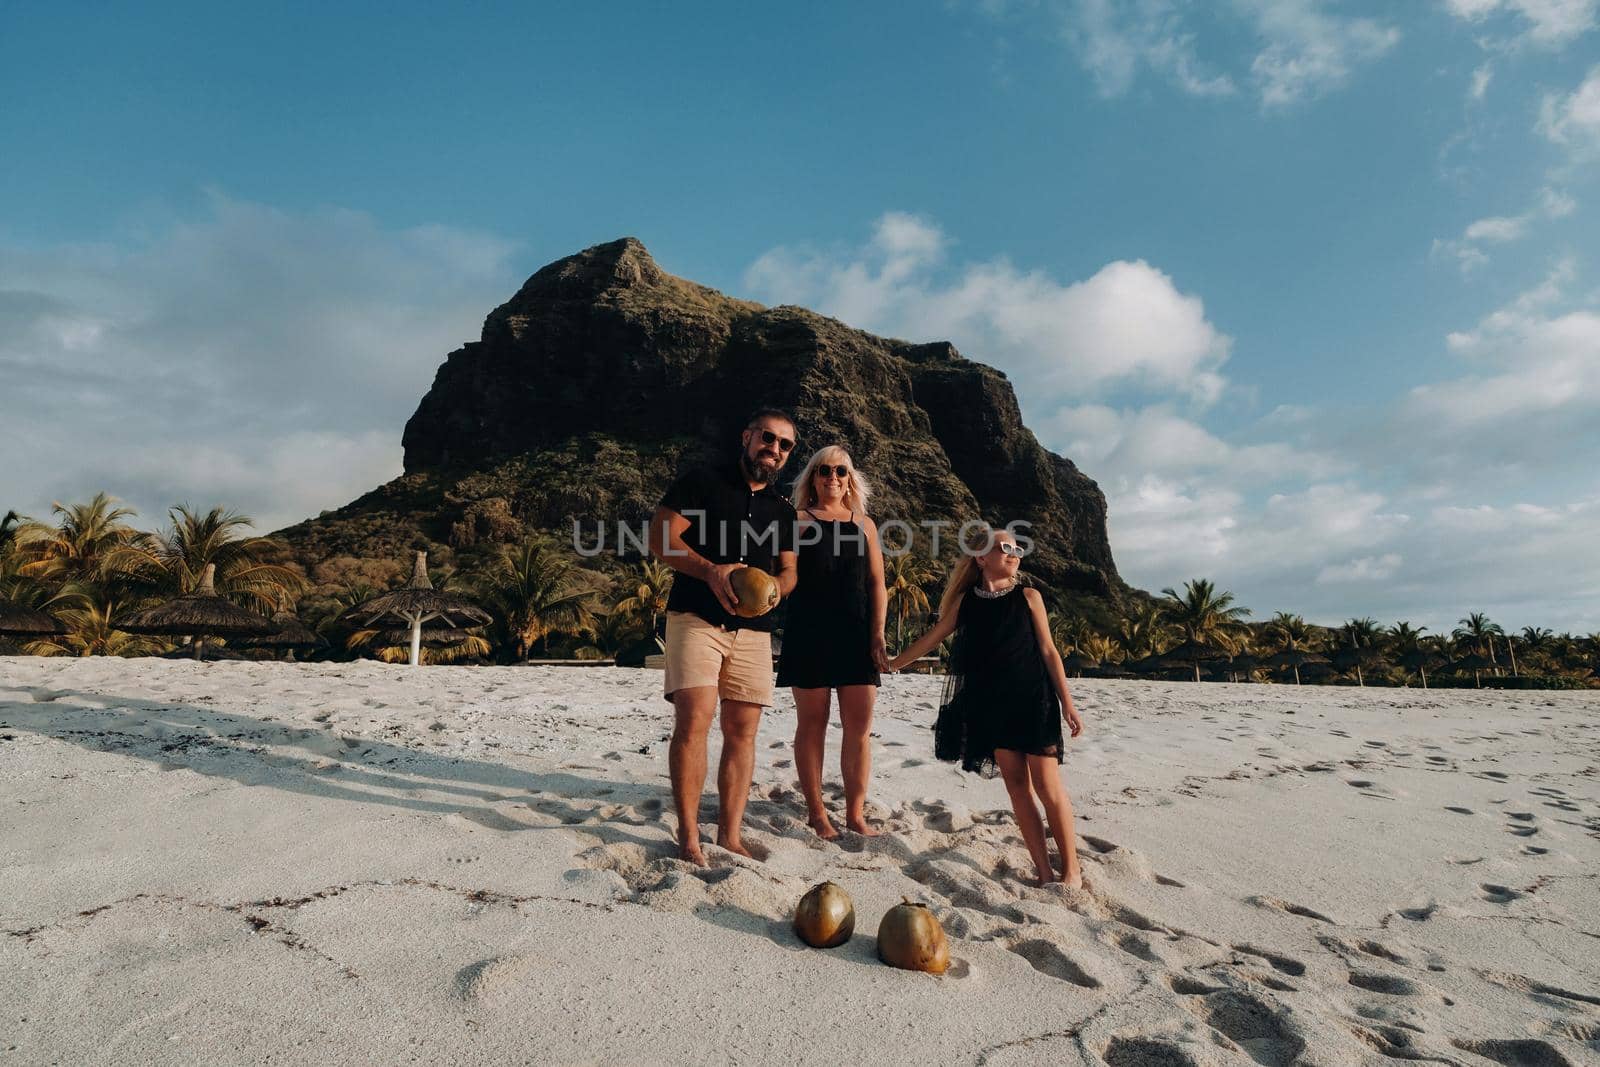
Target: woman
[[833, 637]]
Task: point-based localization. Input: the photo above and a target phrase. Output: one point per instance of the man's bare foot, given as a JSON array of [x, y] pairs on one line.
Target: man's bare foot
[[689, 851], [861, 827], [736, 847], [824, 827]]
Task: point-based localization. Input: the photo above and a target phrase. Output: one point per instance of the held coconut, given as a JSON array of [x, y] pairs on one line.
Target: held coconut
[[825, 917], [755, 591], [911, 938]]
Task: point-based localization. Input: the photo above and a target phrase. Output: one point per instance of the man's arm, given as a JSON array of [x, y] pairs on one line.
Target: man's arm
[[667, 545], [788, 572]]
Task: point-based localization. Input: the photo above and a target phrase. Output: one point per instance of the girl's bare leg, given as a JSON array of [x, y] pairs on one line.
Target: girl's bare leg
[[1014, 769], [810, 737], [855, 758], [1045, 774]]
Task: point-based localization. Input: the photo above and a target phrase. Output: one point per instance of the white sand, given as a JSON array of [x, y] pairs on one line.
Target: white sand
[[233, 862]]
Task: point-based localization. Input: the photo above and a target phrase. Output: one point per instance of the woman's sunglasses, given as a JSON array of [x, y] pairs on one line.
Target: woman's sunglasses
[[841, 471], [1011, 548], [784, 444]]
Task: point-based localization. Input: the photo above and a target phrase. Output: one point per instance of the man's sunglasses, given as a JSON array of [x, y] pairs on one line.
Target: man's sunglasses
[[841, 471], [784, 444]]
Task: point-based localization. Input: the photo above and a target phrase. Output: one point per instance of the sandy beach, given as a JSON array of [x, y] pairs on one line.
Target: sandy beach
[[233, 862]]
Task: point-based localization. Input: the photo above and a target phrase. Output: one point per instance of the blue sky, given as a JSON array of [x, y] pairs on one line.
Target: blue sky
[[1307, 286]]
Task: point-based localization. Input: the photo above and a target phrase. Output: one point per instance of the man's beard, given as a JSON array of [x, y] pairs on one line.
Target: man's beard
[[757, 473]]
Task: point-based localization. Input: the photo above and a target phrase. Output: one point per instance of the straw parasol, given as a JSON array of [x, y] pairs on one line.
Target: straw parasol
[[200, 614], [1147, 665], [1420, 660], [1244, 664], [1474, 662], [1110, 669], [432, 637], [289, 633], [1293, 657], [18, 621], [1191, 653], [419, 602]]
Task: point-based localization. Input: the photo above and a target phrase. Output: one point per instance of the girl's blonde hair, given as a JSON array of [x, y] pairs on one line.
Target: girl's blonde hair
[[856, 490], [966, 573]]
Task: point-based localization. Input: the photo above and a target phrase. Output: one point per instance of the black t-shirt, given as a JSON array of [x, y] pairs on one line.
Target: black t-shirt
[[728, 523]]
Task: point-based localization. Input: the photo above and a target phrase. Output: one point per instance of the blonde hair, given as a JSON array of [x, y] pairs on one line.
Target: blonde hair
[[856, 490], [966, 573]]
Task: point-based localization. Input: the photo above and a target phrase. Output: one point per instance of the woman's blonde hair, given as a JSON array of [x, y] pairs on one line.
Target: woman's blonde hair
[[856, 490]]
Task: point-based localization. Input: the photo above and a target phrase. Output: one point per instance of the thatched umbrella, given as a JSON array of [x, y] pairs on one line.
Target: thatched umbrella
[[1191, 653], [419, 602], [1078, 663], [1245, 665], [289, 633], [434, 637], [1296, 658], [1474, 662], [1109, 669], [26, 622], [199, 614], [1420, 660], [1147, 665]]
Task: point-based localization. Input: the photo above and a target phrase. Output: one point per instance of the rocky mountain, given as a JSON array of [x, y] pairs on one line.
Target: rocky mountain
[[604, 376]]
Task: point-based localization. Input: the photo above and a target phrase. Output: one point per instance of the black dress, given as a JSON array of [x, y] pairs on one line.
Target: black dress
[[998, 693], [827, 635]]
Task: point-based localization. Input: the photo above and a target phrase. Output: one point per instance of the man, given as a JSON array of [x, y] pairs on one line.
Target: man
[[710, 523]]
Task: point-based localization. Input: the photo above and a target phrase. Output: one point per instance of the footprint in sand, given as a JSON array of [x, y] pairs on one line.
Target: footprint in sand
[[1498, 894], [1261, 1029], [1460, 811], [1284, 964], [1146, 1052], [1291, 909], [1047, 959], [1515, 1051], [1437, 760], [1522, 831]]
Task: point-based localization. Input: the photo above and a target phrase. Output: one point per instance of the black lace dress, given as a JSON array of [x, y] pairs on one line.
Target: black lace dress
[[998, 693], [827, 635]]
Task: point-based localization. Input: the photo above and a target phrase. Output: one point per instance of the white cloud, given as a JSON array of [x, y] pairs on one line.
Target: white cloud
[[1480, 81], [1537, 363], [1310, 51], [1128, 324], [1549, 23], [1574, 120], [258, 358], [1301, 48], [1115, 42], [1467, 250], [1365, 569]]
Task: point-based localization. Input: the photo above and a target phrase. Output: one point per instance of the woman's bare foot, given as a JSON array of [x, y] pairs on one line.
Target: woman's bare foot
[[1072, 878], [689, 851], [862, 827], [824, 827]]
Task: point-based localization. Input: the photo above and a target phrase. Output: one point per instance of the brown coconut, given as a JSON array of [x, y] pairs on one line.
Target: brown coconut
[[754, 590], [825, 918], [910, 937]]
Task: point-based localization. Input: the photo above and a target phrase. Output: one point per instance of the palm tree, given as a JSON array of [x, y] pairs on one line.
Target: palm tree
[[194, 540], [1100, 647], [1364, 640], [1477, 629], [8, 530], [1203, 612], [907, 576], [1407, 642], [90, 631], [537, 591], [1142, 632], [649, 594], [88, 543]]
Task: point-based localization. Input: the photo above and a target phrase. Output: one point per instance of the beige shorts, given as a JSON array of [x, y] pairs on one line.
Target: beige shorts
[[737, 662]]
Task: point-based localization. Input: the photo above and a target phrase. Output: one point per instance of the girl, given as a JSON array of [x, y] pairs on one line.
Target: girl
[[1006, 694], [833, 636]]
